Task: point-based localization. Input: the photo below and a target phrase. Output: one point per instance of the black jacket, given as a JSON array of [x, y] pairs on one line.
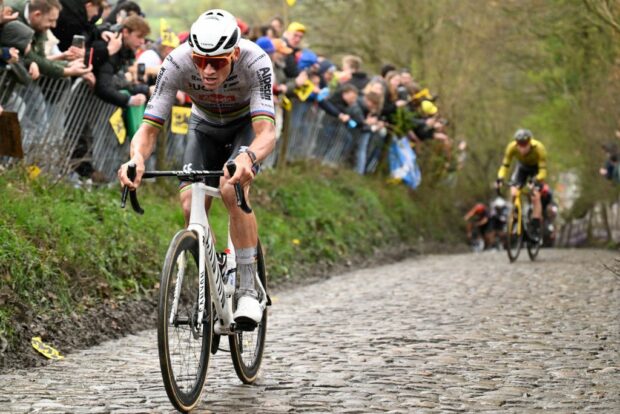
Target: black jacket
[[109, 71], [73, 21], [359, 79]]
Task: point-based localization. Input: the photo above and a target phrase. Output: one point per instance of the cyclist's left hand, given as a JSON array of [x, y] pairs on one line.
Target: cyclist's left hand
[[244, 174]]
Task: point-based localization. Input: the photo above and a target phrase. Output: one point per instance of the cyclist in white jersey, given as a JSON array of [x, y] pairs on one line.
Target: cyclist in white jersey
[[229, 80]]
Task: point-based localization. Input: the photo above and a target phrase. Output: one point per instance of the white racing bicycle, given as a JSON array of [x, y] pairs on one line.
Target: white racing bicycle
[[197, 301]]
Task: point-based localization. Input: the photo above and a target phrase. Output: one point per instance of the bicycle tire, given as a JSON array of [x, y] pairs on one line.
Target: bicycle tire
[[533, 246], [514, 237], [183, 383], [246, 348]]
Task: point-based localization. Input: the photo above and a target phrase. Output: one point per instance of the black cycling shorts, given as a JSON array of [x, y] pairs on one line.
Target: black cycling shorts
[[209, 147], [485, 228], [522, 173]]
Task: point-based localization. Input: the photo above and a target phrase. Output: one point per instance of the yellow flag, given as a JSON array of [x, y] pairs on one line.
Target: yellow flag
[[286, 103], [118, 125], [291, 2], [33, 172], [168, 37], [304, 90], [180, 119]]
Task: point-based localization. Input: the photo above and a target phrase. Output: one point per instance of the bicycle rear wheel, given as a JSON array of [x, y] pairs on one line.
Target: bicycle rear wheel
[[246, 348], [533, 246], [183, 343], [514, 235]]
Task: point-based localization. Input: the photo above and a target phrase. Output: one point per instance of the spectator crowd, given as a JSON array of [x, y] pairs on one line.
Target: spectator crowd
[[107, 46]]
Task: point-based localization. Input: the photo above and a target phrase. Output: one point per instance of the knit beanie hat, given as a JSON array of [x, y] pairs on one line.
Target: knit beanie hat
[[16, 34]]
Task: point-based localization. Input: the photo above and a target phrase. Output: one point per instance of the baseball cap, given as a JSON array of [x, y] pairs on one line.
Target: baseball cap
[[266, 44], [307, 59], [281, 47], [296, 27]]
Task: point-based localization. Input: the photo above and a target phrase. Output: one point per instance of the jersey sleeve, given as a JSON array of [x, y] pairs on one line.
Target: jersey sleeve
[[261, 97], [166, 86], [508, 155]]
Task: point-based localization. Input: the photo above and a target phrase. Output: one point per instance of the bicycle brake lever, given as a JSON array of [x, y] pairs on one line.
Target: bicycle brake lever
[[133, 196], [131, 171]]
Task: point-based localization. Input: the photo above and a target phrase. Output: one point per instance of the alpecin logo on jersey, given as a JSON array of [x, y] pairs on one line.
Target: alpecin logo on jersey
[[264, 79]]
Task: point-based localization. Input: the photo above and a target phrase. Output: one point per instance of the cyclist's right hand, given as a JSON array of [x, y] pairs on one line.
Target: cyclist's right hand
[[122, 173]]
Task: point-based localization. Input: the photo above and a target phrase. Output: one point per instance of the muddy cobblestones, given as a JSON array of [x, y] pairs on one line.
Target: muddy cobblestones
[[436, 334]]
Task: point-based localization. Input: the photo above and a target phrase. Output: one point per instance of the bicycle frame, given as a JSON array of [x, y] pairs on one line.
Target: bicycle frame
[[517, 204], [209, 266]]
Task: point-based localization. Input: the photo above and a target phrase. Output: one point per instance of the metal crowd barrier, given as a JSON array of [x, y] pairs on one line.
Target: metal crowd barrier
[[64, 124], [312, 134], [56, 115]]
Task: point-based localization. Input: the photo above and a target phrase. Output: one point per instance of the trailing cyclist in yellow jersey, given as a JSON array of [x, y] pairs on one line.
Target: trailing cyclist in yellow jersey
[[531, 158]]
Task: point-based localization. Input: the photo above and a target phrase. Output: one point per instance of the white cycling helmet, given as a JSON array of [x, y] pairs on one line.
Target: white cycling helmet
[[523, 135], [498, 203], [214, 33]]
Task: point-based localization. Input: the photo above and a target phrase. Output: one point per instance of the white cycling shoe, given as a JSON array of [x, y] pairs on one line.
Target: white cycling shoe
[[249, 312]]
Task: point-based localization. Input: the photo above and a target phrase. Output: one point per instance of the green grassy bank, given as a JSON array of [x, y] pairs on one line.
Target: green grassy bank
[[65, 250]]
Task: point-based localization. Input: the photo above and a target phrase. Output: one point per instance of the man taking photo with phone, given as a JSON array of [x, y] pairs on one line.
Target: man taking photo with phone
[[42, 15], [77, 17], [116, 55]]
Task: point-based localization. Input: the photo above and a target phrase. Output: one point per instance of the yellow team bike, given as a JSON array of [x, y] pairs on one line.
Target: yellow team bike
[[519, 230]]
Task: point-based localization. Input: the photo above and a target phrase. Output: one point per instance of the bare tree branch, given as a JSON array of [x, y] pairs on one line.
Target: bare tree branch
[[603, 12]]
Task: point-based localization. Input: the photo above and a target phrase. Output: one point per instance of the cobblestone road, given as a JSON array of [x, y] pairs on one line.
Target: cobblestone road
[[435, 334]]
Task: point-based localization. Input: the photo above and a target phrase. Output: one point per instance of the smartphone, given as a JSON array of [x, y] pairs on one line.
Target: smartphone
[[141, 71], [78, 41]]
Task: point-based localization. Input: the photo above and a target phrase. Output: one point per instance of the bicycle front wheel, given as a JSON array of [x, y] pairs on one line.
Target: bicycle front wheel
[[514, 236], [183, 342], [246, 348]]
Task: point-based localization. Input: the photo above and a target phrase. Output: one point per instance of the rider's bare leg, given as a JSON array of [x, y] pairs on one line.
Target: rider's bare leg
[[536, 205]]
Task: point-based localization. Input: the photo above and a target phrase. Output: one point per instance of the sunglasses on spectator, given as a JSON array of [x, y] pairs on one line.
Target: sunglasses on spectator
[[216, 62]]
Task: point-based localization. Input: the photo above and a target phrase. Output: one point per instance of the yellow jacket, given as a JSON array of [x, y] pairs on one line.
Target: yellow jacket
[[537, 156]]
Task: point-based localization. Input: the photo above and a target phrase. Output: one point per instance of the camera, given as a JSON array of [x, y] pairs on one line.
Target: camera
[[403, 93]]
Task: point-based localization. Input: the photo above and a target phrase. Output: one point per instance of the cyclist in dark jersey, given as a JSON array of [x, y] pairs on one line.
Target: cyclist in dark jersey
[[478, 218], [229, 81]]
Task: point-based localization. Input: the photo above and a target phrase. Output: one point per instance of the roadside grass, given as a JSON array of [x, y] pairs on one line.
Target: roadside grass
[[64, 250]]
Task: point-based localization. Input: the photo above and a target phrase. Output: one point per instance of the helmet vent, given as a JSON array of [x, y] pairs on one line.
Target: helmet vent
[[233, 39]]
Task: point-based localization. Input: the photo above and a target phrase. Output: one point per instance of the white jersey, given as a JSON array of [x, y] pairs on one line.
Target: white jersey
[[246, 92]]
